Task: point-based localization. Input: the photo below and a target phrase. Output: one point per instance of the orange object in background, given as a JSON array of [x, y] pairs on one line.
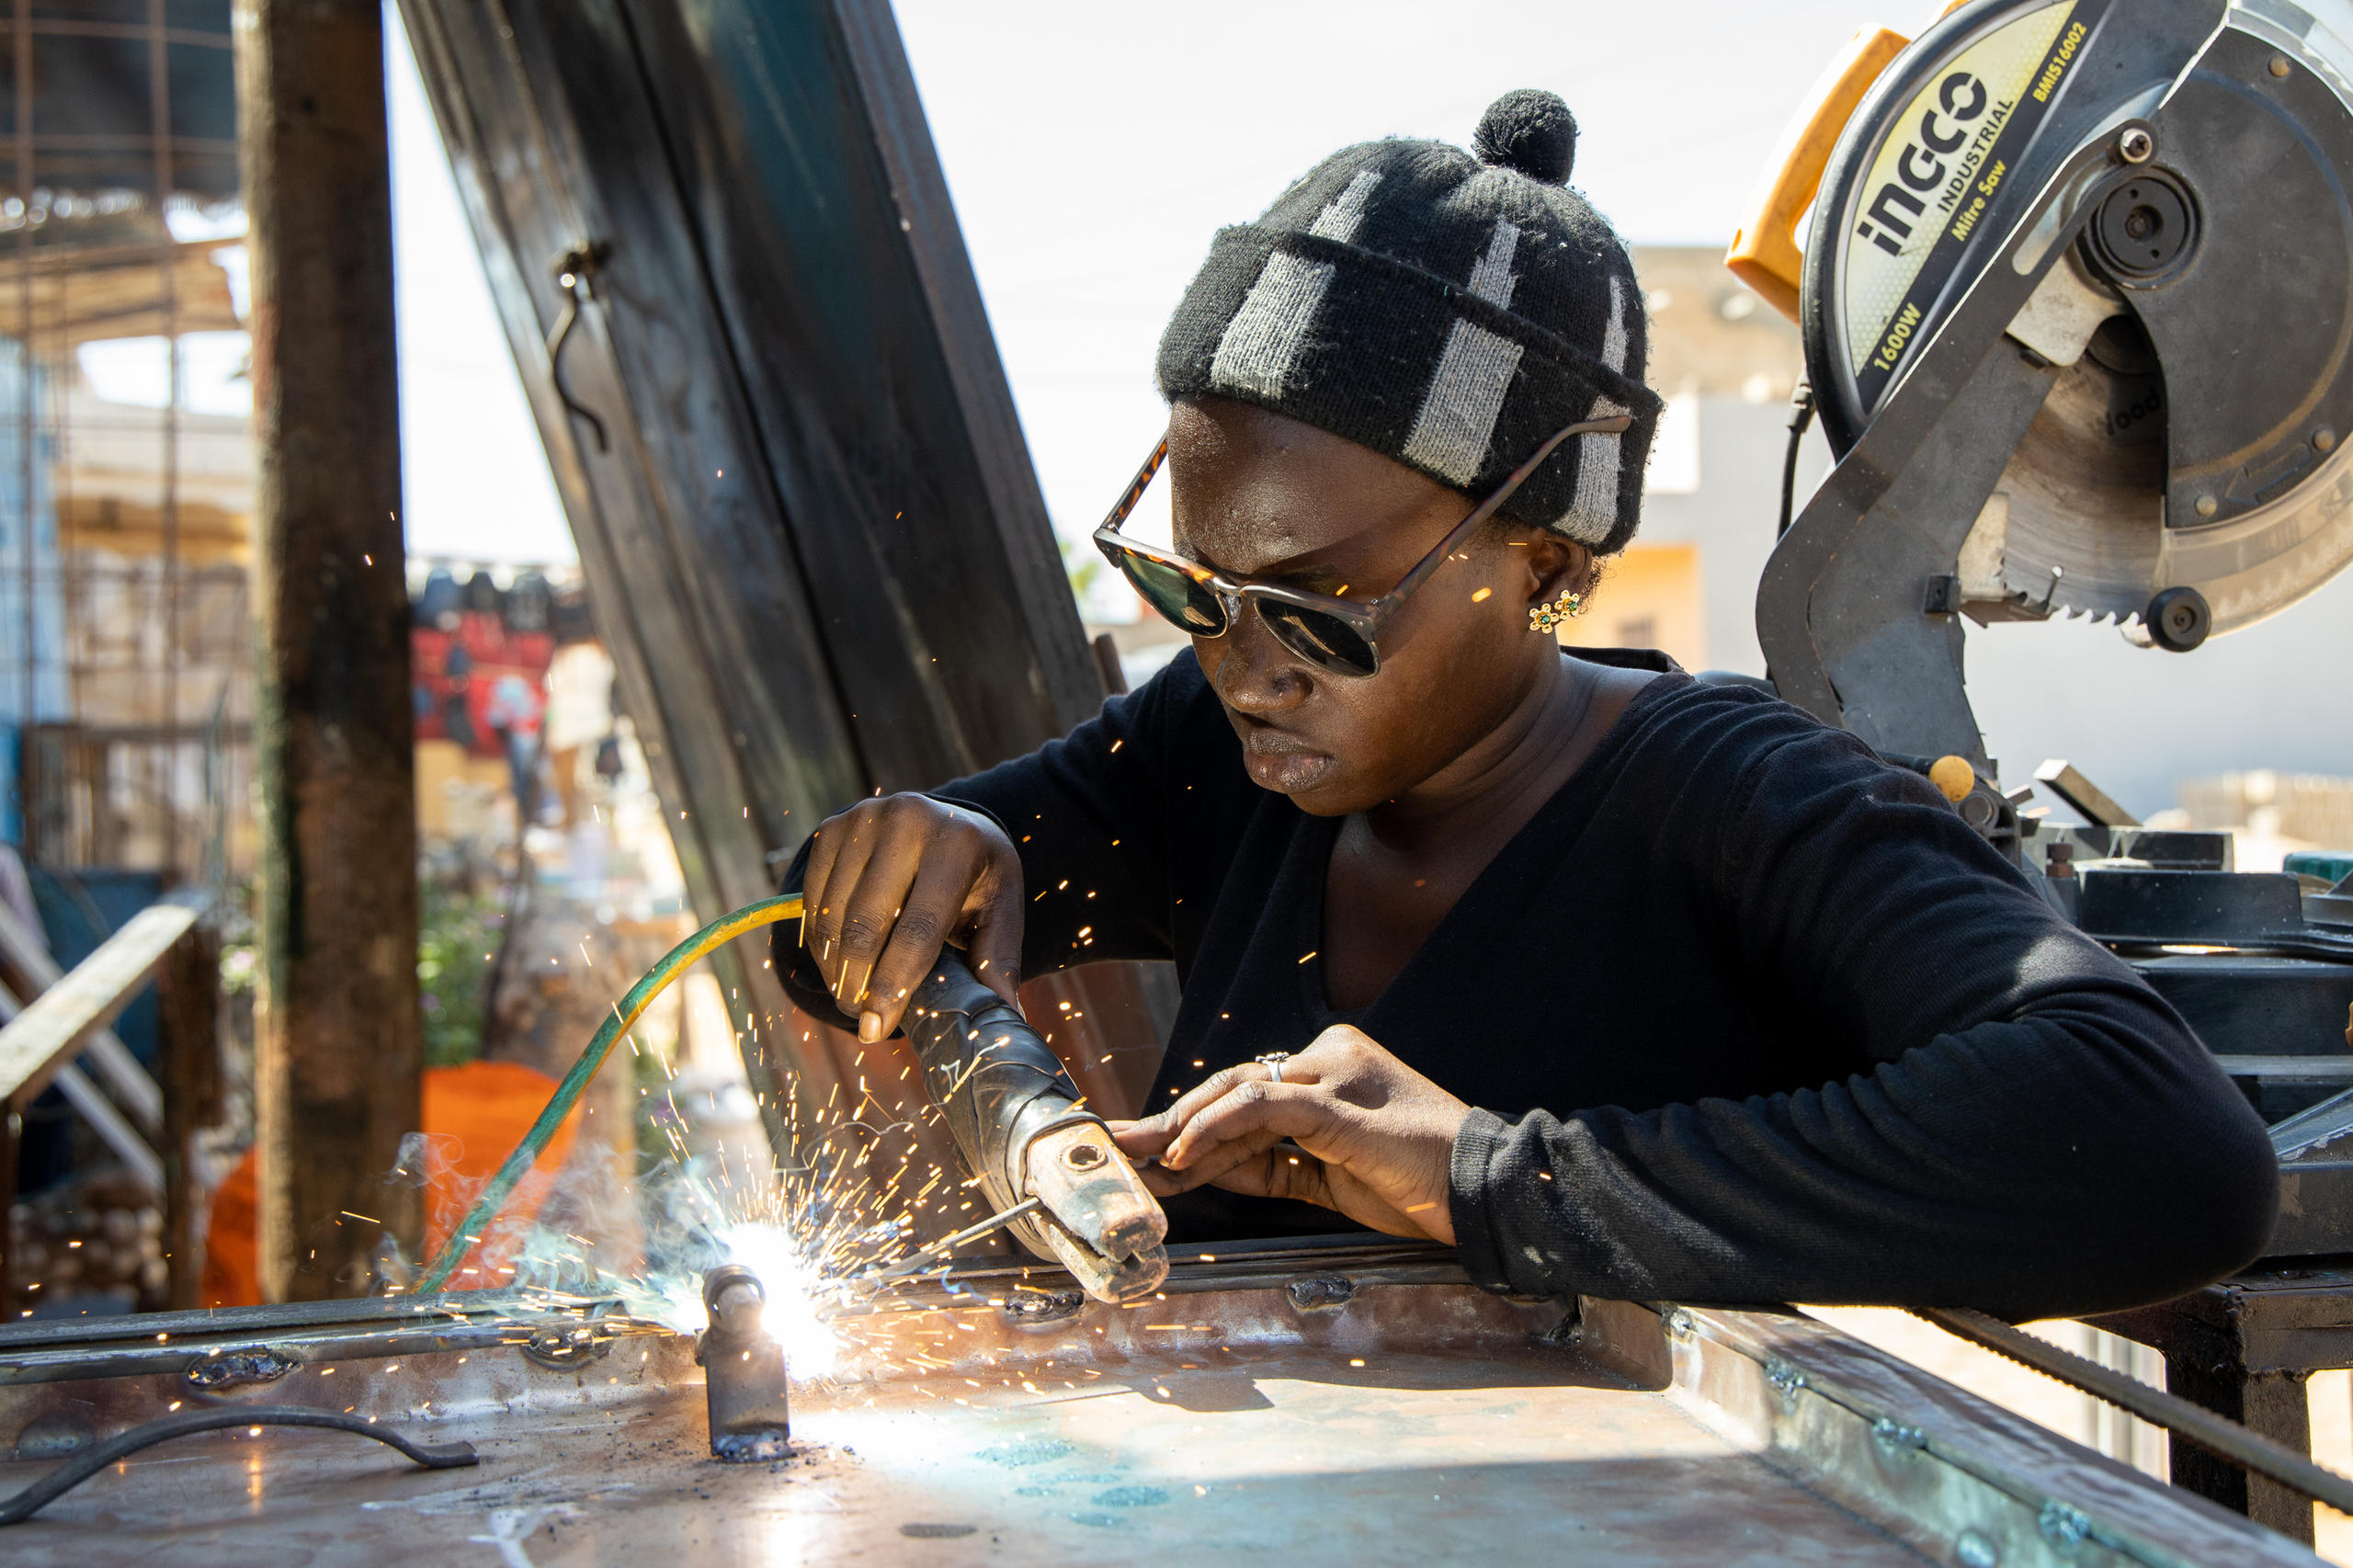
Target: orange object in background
[[474, 1115]]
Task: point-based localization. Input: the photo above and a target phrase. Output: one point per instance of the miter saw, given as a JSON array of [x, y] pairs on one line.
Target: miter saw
[[2077, 303]]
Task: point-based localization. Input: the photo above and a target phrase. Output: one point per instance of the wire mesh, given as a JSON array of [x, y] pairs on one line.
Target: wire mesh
[[126, 463]]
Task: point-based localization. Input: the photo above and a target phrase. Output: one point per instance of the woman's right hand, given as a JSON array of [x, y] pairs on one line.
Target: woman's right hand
[[891, 878]]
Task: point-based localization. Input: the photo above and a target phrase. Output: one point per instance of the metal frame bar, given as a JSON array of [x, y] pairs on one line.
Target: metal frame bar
[[2243, 1349]]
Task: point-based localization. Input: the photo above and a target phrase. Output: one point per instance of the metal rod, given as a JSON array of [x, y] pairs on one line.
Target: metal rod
[[2216, 1434], [24, 134], [913, 1263], [159, 101]]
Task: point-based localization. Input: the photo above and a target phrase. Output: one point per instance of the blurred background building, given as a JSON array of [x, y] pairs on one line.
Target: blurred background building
[[126, 473]]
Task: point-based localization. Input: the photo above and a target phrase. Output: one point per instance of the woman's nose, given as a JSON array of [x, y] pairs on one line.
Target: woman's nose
[[1255, 673]]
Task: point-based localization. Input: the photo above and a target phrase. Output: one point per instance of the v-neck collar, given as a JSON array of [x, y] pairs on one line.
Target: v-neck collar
[[1569, 805]]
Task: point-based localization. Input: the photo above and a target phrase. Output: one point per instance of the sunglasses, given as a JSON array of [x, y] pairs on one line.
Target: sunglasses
[[1333, 634]]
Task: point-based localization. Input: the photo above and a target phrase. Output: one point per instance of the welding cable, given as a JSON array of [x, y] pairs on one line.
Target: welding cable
[[718, 934], [2218, 1434], [82, 1466]]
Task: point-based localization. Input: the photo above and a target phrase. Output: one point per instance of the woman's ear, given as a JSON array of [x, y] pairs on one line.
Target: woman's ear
[[1556, 565]]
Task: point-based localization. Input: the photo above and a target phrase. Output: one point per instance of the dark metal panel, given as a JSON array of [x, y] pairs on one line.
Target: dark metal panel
[[858, 333], [937, 247], [647, 549], [817, 522]]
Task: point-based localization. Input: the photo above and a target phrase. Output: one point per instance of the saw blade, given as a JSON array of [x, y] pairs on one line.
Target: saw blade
[[2084, 490], [2080, 508]]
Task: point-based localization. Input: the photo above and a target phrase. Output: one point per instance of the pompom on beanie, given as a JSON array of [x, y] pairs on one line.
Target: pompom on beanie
[[1446, 310]]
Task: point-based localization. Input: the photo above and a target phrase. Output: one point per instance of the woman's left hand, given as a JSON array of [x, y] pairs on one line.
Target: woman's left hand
[[1375, 1139]]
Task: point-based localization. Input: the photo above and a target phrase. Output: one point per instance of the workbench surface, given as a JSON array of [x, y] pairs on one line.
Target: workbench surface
[[1412, 1423], [1301, 1456]]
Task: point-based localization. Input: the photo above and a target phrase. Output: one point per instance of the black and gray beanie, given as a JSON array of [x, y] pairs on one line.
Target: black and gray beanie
[[1448, 310]]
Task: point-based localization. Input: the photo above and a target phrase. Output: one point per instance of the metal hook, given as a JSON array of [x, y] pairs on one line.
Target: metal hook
[[576, 272]]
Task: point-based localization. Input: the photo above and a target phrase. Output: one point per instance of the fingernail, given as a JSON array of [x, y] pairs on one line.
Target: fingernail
[[870, 1027]]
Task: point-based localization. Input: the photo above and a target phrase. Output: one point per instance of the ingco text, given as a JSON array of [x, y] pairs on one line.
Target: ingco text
[[1939, 165]]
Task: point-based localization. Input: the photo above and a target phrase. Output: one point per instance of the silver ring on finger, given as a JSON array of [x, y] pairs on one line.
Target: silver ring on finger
[[1273, 1063]]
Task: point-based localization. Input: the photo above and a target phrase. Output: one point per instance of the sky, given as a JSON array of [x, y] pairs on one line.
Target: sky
[[475, 478], [1092, 150]]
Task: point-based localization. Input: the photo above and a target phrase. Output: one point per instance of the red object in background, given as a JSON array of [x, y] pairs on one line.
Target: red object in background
[[491, 651], [429, 657]]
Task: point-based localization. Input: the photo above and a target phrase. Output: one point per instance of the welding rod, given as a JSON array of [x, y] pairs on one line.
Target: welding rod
[[913, 1263]]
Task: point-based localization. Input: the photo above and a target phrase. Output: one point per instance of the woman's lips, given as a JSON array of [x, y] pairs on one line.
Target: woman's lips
[[1279, 761]]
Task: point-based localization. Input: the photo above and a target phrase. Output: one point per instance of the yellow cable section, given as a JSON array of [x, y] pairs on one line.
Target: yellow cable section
[[718, 934]]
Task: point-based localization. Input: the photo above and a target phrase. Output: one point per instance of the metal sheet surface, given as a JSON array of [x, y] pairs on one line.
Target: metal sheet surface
[[1306, 1420], [1322, 1453]]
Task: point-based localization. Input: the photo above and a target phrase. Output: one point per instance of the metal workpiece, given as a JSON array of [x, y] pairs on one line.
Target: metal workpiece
[[746, 1381], [1307, 1267], [1020, 1125], [263, 1347], [1388, 1426]]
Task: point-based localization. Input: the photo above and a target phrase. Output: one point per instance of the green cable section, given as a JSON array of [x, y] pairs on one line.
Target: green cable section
[[718, 934]]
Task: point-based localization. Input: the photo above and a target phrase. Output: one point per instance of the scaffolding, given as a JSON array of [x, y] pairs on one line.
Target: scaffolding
[[125, 501]]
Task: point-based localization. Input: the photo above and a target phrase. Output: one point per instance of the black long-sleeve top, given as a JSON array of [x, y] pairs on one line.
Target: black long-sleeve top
[[1747, 1014]]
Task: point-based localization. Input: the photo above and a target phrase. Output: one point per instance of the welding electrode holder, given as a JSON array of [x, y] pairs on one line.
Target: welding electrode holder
[[1006, 1098], [746, 1381]]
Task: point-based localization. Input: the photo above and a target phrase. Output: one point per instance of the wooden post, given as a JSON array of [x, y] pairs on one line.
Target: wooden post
[[189, 1027], [339, 1047]]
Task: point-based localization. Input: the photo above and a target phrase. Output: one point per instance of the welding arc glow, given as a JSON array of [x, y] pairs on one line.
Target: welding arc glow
[[790, 1315], [718, 934]]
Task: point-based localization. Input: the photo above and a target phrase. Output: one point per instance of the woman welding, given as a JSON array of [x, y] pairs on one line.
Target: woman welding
[[1621, 982]]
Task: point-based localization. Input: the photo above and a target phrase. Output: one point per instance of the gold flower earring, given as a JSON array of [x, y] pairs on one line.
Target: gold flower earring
[[1546, 616]]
